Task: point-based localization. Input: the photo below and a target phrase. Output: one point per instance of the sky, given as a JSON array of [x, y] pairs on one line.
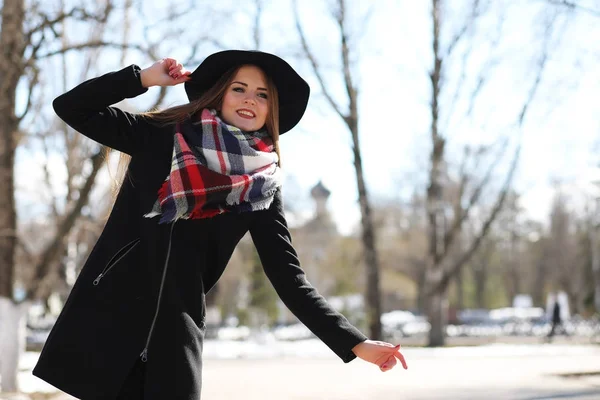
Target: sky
[[559, 136]]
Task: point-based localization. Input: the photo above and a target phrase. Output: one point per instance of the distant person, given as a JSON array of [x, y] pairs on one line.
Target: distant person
[[556, 319], [201, 176]]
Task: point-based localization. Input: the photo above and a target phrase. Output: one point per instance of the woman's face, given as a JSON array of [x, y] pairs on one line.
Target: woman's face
[[245, 104]]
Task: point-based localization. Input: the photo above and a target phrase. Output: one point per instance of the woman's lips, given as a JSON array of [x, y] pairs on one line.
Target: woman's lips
[[244, 113]]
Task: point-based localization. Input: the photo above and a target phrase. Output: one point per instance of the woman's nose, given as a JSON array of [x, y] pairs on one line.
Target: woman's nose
[[249, 100]]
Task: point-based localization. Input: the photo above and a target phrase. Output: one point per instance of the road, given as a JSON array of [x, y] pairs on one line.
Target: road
[[498, 372], [503, 371]]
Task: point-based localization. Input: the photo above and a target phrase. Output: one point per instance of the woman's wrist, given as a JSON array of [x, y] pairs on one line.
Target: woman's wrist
[[361, 344], [145, 78]]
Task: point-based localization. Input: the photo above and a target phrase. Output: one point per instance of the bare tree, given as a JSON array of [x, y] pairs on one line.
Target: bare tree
[[442, 266], [25, 36], [13, 48], [575, 6], [350, 116], [29, 39]]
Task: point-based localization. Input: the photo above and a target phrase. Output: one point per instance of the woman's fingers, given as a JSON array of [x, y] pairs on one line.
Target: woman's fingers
[[391, 361], [382, 358], [400, 357], [388, 364], [166, 72], [178, 72], [183, 74], [384, 355], [171, 62]]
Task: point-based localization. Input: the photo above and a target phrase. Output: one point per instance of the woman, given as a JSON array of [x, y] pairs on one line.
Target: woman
[[201, 175]]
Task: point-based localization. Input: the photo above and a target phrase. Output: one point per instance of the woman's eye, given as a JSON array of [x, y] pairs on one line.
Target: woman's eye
[[238, 89], [263, 95]]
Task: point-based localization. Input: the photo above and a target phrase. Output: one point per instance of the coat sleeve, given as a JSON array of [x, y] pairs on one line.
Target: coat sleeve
[[280, 262], [86, 108]]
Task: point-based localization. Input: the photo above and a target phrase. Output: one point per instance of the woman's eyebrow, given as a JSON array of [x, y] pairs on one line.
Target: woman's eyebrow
[[245, 84]]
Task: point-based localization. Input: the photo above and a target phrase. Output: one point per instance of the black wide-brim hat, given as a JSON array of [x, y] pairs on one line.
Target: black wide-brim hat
[[293, 91]]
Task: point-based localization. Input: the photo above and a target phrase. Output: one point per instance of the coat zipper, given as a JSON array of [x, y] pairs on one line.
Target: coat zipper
[[124, 250], [144, 353]]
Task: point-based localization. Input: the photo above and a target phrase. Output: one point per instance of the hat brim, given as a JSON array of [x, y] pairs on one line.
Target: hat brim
[[293, 91]]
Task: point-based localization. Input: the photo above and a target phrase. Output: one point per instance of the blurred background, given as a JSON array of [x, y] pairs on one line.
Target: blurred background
[[443, 188]]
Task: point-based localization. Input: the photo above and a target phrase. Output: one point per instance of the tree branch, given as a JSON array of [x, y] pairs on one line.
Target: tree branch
[[78, 13], [47, 178], [256, 27], [52, 250], [465, 28], [450, 272], [90, 45], [32, 83], [460, 219], [350, 88], [313, 62], [162, 93], [572, 6], [541, 66], [485, 70]]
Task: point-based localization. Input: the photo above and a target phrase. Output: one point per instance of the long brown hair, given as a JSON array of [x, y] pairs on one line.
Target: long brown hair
[[212, 98]]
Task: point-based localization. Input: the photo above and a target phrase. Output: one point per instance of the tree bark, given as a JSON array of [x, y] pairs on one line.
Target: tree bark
[[437, 313], [12, 341], [12, 45], [460, 290], [368, 238], [595, 256], [421, 288], [541, 276], [434, 194], [350, 117], [480, 275], [479, 270]]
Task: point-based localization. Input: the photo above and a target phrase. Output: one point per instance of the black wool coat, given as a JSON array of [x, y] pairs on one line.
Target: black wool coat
[[141, 292]]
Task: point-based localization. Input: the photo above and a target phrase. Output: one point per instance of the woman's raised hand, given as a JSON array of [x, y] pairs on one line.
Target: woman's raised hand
[[382, 354], [165, 72]]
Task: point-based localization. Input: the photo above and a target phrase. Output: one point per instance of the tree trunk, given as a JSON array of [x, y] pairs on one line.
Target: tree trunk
[[8, 216], [11, 43], [540, 278], [421, 290], [351, 120], [595, 255], [368, 239], [12, 341], [437, 312], [460, 291], [434, 197], [480, 271], [12, 47], [514, 278], [480, 275]]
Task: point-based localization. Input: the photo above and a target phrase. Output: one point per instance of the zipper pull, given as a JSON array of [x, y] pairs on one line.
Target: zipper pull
[[144, 355], [97, 280]]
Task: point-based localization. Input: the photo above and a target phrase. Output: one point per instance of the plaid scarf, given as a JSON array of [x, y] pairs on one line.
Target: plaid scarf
[[217, 168]]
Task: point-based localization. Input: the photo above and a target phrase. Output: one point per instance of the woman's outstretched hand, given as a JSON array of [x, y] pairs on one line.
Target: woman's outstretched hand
[[165, 72], [382, 354]]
